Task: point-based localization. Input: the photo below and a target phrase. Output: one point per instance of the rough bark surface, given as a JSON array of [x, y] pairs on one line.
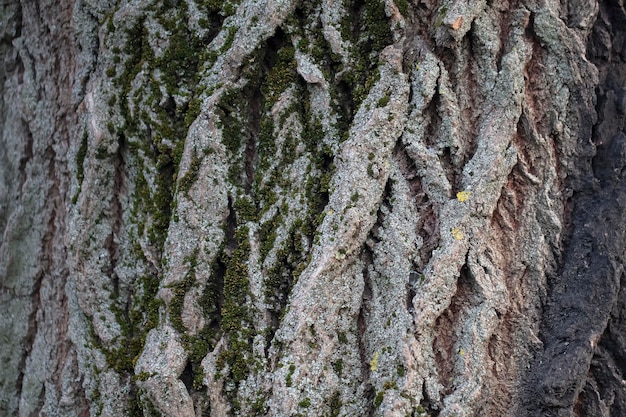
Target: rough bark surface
[[320, 208]]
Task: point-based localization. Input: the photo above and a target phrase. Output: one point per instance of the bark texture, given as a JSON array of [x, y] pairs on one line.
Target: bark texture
[[320, 208]]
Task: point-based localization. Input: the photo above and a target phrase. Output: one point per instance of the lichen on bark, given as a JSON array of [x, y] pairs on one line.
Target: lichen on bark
[[325, 208]]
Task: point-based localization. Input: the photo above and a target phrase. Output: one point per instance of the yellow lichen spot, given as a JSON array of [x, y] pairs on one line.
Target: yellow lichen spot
[[461, 352], [458, 235], [462, 196], [374, 362]]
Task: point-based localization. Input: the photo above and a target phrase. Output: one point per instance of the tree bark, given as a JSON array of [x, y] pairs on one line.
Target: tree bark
[[320, 208]]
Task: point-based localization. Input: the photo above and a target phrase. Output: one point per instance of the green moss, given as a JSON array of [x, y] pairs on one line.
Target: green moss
[[135, 409], [96, 398], [155, 118], [306, 403], [420, 409], [162, 205], [229, 108], [80, 158], [237, 357], [291, 259], [377, 25], [229, 8], [334, 403], [192, 112], [267, 145], [159, 133], [180, 289], [288, 378], [338, 366], [191, 176], [152, 205], [313, 133], [380, 396], [198, 380], [390, 385], [236, 319], [135, 321], [258, 406], [400, 370], [304, 44], [369, 34], [179, 62], [204, 23], [210, 299], [403, 7], [384, 100], [281, 76], [146, 407], [245, 209], [142, 376], [199, 345], [230, 37], [267, 234], [236, 284], [212, 5]]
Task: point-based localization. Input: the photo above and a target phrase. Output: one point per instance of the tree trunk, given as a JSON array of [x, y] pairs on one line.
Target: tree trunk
[[314, 208]]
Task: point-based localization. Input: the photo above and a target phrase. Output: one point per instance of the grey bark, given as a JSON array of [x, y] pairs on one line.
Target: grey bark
[[326, 208]]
